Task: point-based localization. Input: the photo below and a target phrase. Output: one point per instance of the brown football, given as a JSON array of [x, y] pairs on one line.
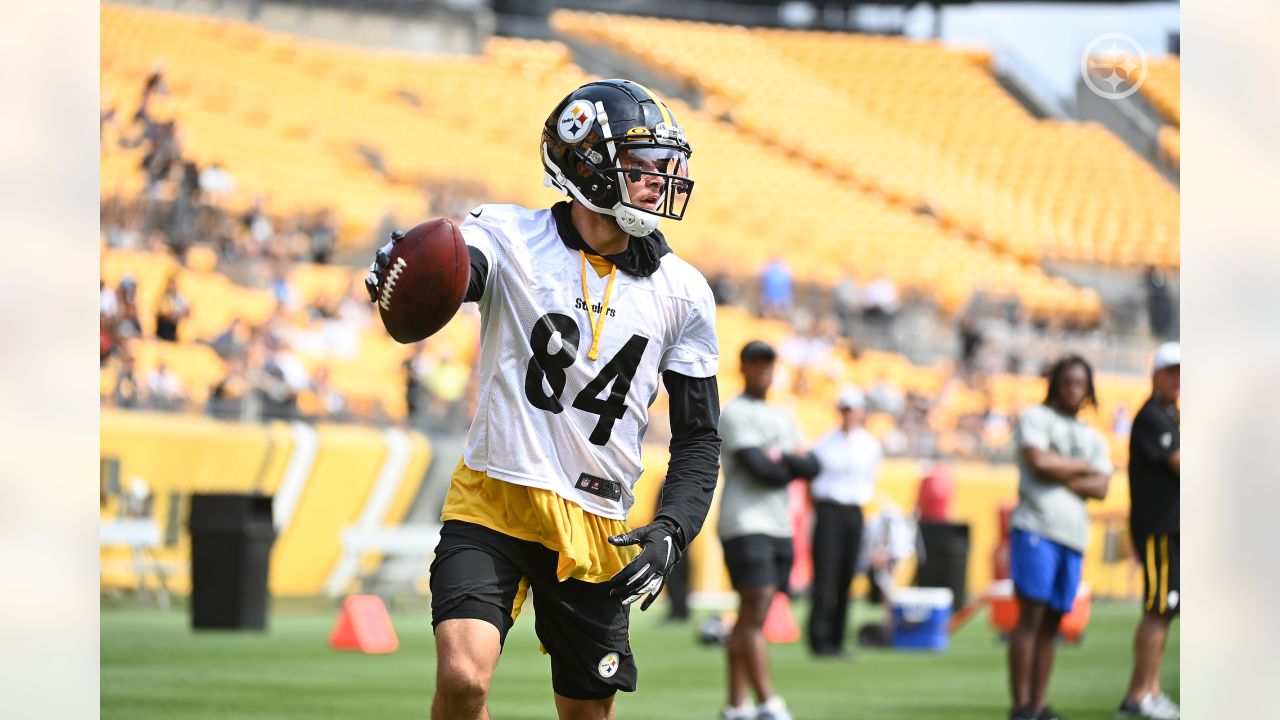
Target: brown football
[[425, 282]]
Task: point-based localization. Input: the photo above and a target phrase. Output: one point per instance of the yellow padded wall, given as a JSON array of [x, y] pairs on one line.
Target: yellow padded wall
[[420, 455], [186, 454], [345, 470]]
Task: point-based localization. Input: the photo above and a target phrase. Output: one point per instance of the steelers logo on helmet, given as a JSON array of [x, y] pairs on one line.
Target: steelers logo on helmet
[[575, 121], [617, 149]]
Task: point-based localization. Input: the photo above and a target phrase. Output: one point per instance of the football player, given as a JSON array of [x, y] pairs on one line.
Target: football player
[[584, 307]]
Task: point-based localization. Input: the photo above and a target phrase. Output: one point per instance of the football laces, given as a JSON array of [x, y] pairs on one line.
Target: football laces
[[390, 283]]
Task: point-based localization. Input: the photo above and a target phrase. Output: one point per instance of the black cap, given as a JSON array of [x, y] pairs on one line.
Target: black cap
[[757, 350]]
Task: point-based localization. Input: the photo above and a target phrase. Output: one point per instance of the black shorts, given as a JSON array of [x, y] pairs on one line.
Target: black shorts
[[477, 573], [757, 561], [1159, 555]]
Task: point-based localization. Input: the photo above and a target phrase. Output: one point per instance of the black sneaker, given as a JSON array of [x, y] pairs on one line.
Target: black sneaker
[[1026, 712], [1047, 714]]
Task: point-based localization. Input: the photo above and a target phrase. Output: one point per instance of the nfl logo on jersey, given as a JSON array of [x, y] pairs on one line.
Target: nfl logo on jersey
[[599, 486]]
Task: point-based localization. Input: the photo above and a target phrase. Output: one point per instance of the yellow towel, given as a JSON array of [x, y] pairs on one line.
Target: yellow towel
[[580, 538]]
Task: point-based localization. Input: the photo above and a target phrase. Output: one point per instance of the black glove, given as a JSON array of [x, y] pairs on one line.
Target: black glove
[[378, 270], [661, 544]]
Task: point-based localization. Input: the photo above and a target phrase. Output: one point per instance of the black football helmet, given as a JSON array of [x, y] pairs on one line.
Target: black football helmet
[[611, 131]]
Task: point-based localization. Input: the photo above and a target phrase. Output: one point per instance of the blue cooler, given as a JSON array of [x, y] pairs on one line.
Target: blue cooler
[[921, 617]]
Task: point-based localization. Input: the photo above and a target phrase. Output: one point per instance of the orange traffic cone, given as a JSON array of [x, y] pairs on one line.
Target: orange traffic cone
[[779, 626], [364, 625]]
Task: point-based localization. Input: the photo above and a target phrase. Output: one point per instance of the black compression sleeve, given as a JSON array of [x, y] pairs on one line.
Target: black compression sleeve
[[479, 271], [802, 466], [765, 471], [695, 452]]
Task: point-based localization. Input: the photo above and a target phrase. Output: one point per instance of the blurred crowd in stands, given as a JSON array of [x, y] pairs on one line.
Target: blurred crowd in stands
[[183, 205], [182, 202], [265, 378]]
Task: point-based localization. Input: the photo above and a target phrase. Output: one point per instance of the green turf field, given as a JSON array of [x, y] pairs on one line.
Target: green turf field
[[154, 666]]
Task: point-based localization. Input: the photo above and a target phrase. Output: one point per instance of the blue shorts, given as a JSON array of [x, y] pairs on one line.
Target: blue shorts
[[1044, 570]]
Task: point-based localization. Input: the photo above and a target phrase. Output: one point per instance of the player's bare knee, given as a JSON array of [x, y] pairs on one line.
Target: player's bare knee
[[463, 684], [467, 651], [463, 677]]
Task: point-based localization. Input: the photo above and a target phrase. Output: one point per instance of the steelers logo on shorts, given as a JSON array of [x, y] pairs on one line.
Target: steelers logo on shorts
[[575, 121], [608, 665]]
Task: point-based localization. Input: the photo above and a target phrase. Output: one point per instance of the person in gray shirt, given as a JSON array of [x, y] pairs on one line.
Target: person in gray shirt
[[1061, 463], [760, 454]]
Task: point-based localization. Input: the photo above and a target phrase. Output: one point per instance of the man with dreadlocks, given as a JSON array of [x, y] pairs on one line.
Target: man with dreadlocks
[[1061, 462]]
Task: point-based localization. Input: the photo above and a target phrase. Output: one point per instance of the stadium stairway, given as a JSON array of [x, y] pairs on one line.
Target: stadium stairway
[[1137, 121]]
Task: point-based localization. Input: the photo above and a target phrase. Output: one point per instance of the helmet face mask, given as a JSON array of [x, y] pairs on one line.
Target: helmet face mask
[[617, 149]]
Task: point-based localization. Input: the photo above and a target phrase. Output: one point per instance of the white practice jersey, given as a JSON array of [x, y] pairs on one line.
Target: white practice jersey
[[548, 416]]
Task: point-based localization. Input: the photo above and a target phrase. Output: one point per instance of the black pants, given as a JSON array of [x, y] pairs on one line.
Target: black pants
[[837, 540]]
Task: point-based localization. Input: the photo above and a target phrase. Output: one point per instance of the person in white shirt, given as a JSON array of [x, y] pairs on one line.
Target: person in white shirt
[[165, 388], [216, 183], [850, 459], [107, 304]]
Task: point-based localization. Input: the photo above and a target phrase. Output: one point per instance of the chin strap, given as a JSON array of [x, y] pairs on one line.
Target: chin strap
[[634, 222]]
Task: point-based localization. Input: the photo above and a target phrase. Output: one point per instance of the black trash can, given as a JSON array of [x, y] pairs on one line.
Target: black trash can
[[946, 559], [231, 538]]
